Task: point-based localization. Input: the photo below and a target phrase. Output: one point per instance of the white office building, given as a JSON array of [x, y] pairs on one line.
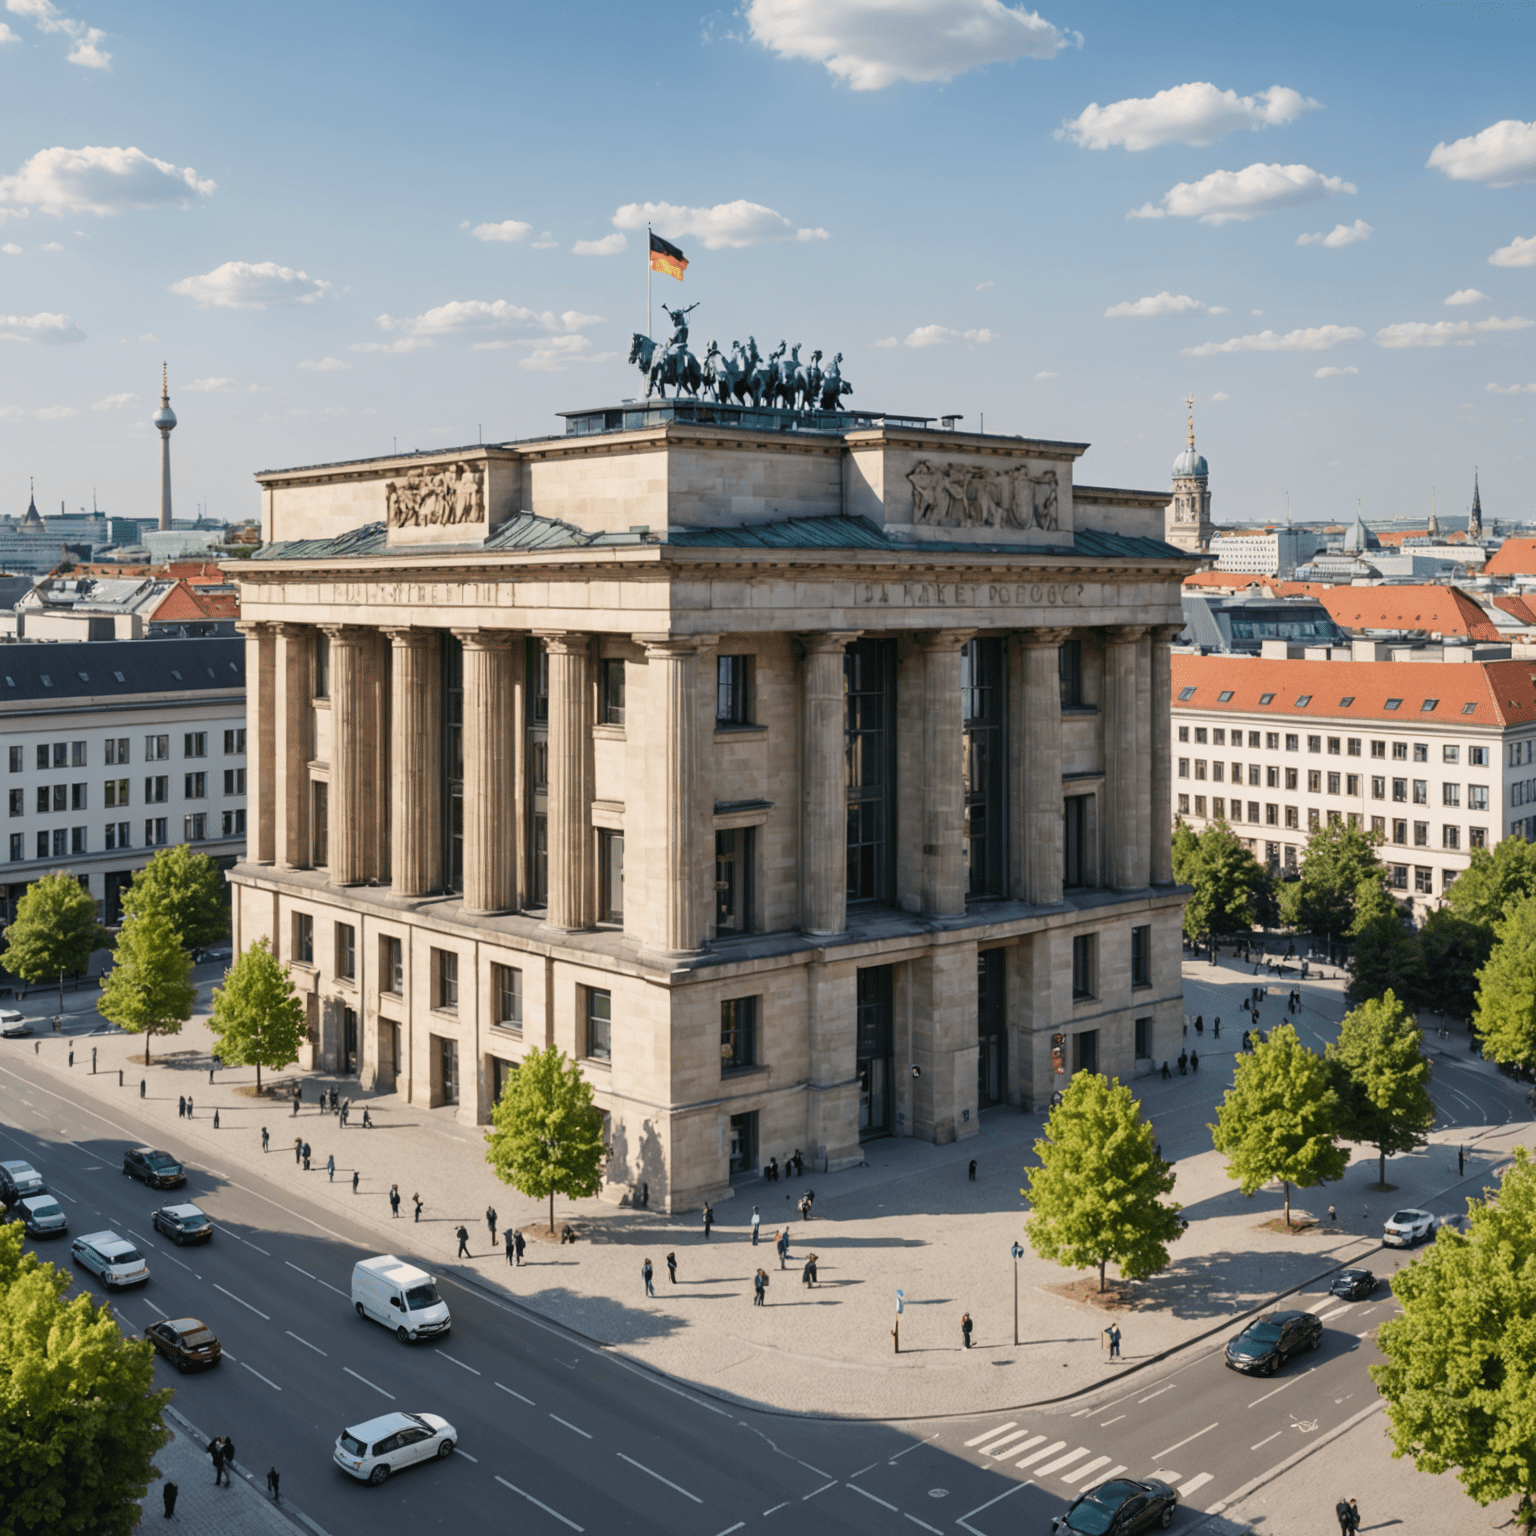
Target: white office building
[[1276, 553]]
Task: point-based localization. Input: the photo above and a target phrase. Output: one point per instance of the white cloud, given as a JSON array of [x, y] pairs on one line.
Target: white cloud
[[11, 413], [47, 17], [725, 226], [609, 245], [1244, 194], [1520, 252], [1467, 296], [508, 229], [930, 336], [1163, 303], [51, 330], [1340, 234], [1512, 389], [209, 386], [115, 402], [98, 180], [1316, 338], [1501, 155], [1332, 372], [405, 344], [250, 285], [888, 341], [551, 354], [1255, 311], [6, 35], [546, 242], [461, 316], [87, 50], [56, 413], [1221, 394], [10, 248], [1438, 333], [1196, 113], [988, 284], [325, 365], [1493, 323], [874, 43], [1045, 374], [53, 245], [981, 337]]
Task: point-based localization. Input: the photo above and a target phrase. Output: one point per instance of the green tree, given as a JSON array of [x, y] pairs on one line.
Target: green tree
[[256, 1013], [1452, 950], [1381, 1075], [1226, 879], [148, 989], [548, 1136], [55, 931], [1386, 956], [79, 1413], [1279, 1119], [1094, 1197], [1492, 880], [188, 888], [1460, 1392], [1506, 989], [1336, 859]]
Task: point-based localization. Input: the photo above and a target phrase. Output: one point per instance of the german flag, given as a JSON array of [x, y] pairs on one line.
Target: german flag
[[665, 257]]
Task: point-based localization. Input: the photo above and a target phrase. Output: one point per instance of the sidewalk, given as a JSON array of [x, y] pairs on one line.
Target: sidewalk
[[909, 1218]]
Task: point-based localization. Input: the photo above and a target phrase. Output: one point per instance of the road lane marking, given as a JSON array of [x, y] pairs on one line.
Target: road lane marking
[[1061, 1461], [466, 1455], [776, 1508], [1050, 1450], [822, 1489], [257, 1310], [1150, 1395], [1364, 1335], [915, 1521], [174, 1260], [965, 1519], [1193, 1484], [380, 1390], [1267, 1439], [248, 1243], [1001, 1429], [1281, 1388], [1104, 1424], [257, 1374], [316, 1278], [518, 1395], [148, 1303], [996, 1447], [304, 1272], [920, 1444], [446, 1356], [545, 1507], [1163, 1474], [675, 1487], [1082, 1413], [740, 1524], [1337, 1312], [558, 1420], [868, 1495], [1185, 1441], [305, 1342], [1081, 1474]]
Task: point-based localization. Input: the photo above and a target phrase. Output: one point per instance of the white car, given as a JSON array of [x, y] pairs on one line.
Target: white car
[[13, 1025], [371, 1451], [112, 1259], [1405, 1228]]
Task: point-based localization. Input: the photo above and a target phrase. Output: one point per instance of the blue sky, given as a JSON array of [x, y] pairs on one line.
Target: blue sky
[[347, 227]]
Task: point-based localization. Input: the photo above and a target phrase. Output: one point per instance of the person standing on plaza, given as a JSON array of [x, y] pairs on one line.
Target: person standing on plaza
[[965, 1328], [306, 1157], [168, 1494], [181, 1107], [490, 1221], [1354, 1518], [356, 1178], [265, 1139], [189, 1106], [759, 1286], [1112, 1333], [971, 1173], [672, 1268], [518, 1244], [782, 1244], [645, 1274], [1216, 1027], [756, 1222], [1341, 1513], [394, 1200], [272, 1482], [462, 1233], [417, 1202], [367, 1119], [506, 1240], [708, 1218], [330, 1167], [1194, 1061]]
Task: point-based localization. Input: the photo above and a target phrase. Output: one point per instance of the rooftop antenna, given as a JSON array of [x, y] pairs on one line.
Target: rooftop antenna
[[1287, 509]]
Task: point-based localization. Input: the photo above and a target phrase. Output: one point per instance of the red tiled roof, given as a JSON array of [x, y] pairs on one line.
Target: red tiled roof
[[1416, 609], [1501, 692], [184, 603], [1234, 580], [1421, 533], [1514, 557], [1520, 607]]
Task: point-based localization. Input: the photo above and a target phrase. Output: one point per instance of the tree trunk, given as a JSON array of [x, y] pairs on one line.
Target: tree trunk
[[1381, 1170], [258, 1079], [1101, 1276], [61, 991], [149, 1035], [1287, 1184], [551, 1213]]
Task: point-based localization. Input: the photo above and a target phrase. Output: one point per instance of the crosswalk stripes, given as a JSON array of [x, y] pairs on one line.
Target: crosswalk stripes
[[1004, 1442], [991, 1434], [1008, 1444], [1080, 1475], [1050, 1450]]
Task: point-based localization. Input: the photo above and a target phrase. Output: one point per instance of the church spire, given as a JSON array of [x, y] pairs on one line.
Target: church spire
[[1475, 521], [1189, 400]]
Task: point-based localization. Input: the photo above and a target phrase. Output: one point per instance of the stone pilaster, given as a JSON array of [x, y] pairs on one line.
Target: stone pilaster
[[490, 807], [823, 784], [416, 719], [260, 741], [380, 745], [292, 730], [353, 794], [1143, 873], [943, 775], [1035, 765], [572, 873], [1162, 752], [1125, 863]]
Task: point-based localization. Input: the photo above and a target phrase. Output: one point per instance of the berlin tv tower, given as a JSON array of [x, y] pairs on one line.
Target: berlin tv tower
[[165, 420]]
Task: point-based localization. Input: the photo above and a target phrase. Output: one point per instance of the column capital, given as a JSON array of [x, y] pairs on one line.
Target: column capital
[[1043, 637], [289, 629], [255, 627], [1164, 634], [675, 645], [821, 642], [564, 642], [406, 634], [485, 639], [348, 634], [1124, 634], [944, 640]]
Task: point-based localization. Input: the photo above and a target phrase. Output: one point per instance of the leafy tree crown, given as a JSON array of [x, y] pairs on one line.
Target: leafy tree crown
[[547, 1135], [55, 929], [257, 1015]]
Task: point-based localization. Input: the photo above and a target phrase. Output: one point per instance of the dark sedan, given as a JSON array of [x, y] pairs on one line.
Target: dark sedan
[[157, 1169], [183, 1224], [187, 1343], [1353, 1284], [1119, 1507], [1268, 1342]]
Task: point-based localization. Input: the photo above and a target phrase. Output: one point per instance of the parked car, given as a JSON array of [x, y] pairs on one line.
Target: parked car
[[157, 1169], [18, 1180], [1353, 1284], [13, 1024], [1119, 1507], [371, 1451], [112, 1259], [400, 1296], [183, 1224], [1268, 1342], [1407, 1227], [42, 1216], [187, 1343]]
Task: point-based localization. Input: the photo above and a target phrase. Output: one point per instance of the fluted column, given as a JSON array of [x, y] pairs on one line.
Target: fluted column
[[572, 886], [675, 664], [416, 720], [380, 744], [823, 784], [292, 716], [490, 809], [943, 774], [353, 794], [1162, 752], [1125, 864], [1143, 854], [1035, 758], [260, 741]]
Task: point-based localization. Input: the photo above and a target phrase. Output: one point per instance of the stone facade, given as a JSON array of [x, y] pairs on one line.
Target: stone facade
[[800, 785]]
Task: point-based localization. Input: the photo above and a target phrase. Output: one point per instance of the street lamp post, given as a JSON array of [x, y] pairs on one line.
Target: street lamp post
[[1018, 1253]]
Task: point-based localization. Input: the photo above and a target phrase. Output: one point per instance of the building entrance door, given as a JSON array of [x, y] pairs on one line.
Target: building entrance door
[[876, 1032], [992, 1027], [349, 1042], [448, 1066]]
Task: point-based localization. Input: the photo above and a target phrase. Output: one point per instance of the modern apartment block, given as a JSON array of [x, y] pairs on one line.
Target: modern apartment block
[[1436, 754], [112, 749]]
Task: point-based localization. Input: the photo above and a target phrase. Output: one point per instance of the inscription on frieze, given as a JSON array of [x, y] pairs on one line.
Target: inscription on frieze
[[955, 495], [968, 594]]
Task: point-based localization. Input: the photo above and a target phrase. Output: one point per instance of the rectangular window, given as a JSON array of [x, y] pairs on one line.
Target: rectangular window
[[77, 840], [1379, 827], [1183, 733], [1333, 783], [1314, 818], [391, 965], [613, 691], [1423, 880], [1199, 808], [78, 797], [1351, 783], [157, 790], [735, 855], [61, 754], [1084, 981], [1399, 832], [1333, 746], [1271, 740], [61, 797], [16, 759], [1314, 781], [346, 951], [1477, 756], [1271, 815], [1218, 771], [1200, 735], [1291, 778], [59, 838], [1477, 797], [1292, 742], [507, 995], [1421, 791], [1183, 805], [1352, 746], [1183, 767], [599, 1020], [42, 845], [738, 1034], [1218, 736], [18, 802], [234, 743], [1450, 754], [1450, 837], [733, 690], [1085, 1051], [156, 748], [194, 744], [1450, 794], [233, 823], [1477, 837], [1272, 778], [116, 792], [1143, 1039], [1199, 767], [197, 827], [117, 751], [1421, 751], [304, 937], [42, 755], [1378, 749], [1421, 834], [1400, 790], [1292, 819], [1314, 743], [1077, 863], [610, 856], [1141, 956], [234, 781], [77, 754], [445, 973], [1400, 751], [154, 832], [983, 714], [1069, 661], [319, 824], [1397, 876], [194, 786], [322, 665], [869, 667], [1378, 787], [18, 847]]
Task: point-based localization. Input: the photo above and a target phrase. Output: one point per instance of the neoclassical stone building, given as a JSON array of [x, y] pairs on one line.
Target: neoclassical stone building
[[805, 784]]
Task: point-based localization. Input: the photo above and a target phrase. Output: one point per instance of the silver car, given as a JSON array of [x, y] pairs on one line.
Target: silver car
[[1407, 1227], [371, 1451], [18, 1180], [112, 1259], [13, 1025], [42, 1216]]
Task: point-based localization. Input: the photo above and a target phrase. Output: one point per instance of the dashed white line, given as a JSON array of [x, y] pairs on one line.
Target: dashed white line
[[1281, 1388], [257, 1374], [1185, 1441], [822, 1489], [1267, 1439], [992, 1434], [148, 1303], [466, 1455], [304, 1272], [1150, 1395], [915, 1521], [1195, 1483], [676, 1487], [174, 1260], [558, 1420], [257, 1310], [1337, 1312], [868, 1495], [446, 1356], [1104, 1424], [545, 1507], [776, 1508], [518, 1395], [740, 1524], [380, 1390], [305, 1342], [245, 1240], [965, 1519], [920, 1444]]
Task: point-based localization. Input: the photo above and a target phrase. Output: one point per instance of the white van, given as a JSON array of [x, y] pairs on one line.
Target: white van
[[400, 1296]]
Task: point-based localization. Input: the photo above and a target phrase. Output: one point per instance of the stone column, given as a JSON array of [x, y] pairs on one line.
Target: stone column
[[292, 726], [1162, 752], [416, 721], [353, 793], [260, 741], [490, 809], [1036, 767], [572, 873], [944, 876], [1144, 757], [823, 784], [1125, 862], [675, 664]]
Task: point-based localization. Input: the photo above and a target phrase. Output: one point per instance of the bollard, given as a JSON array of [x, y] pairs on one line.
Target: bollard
[[119, 1077]]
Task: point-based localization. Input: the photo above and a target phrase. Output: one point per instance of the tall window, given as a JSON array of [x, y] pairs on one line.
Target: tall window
[[735, 852], [194, 744], [869, 667], [1070, 664], [453, 762], [507, 996], [537, 748], [610, 849], [613, 692], [738, 1034], [445, 966], [984, 695], [733, 703], [304, 937], [391, 965], [117, 752], [1141, 956], [346, 951], [1084, 957], [320, 824], [599, 1009], [1078, 843], [196, 829], [322, 665]]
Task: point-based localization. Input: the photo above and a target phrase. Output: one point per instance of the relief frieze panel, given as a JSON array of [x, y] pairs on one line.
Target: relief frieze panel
[[957, 495]]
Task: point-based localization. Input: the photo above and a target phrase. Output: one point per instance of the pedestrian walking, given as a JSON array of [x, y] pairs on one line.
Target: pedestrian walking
[[972, 1174], [307, 1155], [143, 1085], [1194, 1061], [1183, 1063], [813, 1261], [490, 1221], [394, 1199], [346, 1112], [215, 1119], [330, 1167], [168, 1493], [756, 1221], [1167, 1075], [216, 1455], [518, 1244], [1461, 1161], [1216, 1027], [672, 1268], [93, 1061], [181, 1107], [965, 1328], [759, 1287], [367, 1119], [463, 1236], [805, 1273], [272, 1481], [210, 1077], [1341, 1514], [708, 1216], [1333, 1216], [298, 1093], [506, 1242], [189, 1106], [355, 1177], [265, 1139], [781, 1242], [1199, 1023], [71, 1055], [799, 1164], [1112, 1333], [645, 1195], [416, 1201], [1354, 1517], [298, 1150], [645, 1274]]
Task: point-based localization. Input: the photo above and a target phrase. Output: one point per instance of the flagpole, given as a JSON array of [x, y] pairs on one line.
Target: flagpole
[[647, 279]]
